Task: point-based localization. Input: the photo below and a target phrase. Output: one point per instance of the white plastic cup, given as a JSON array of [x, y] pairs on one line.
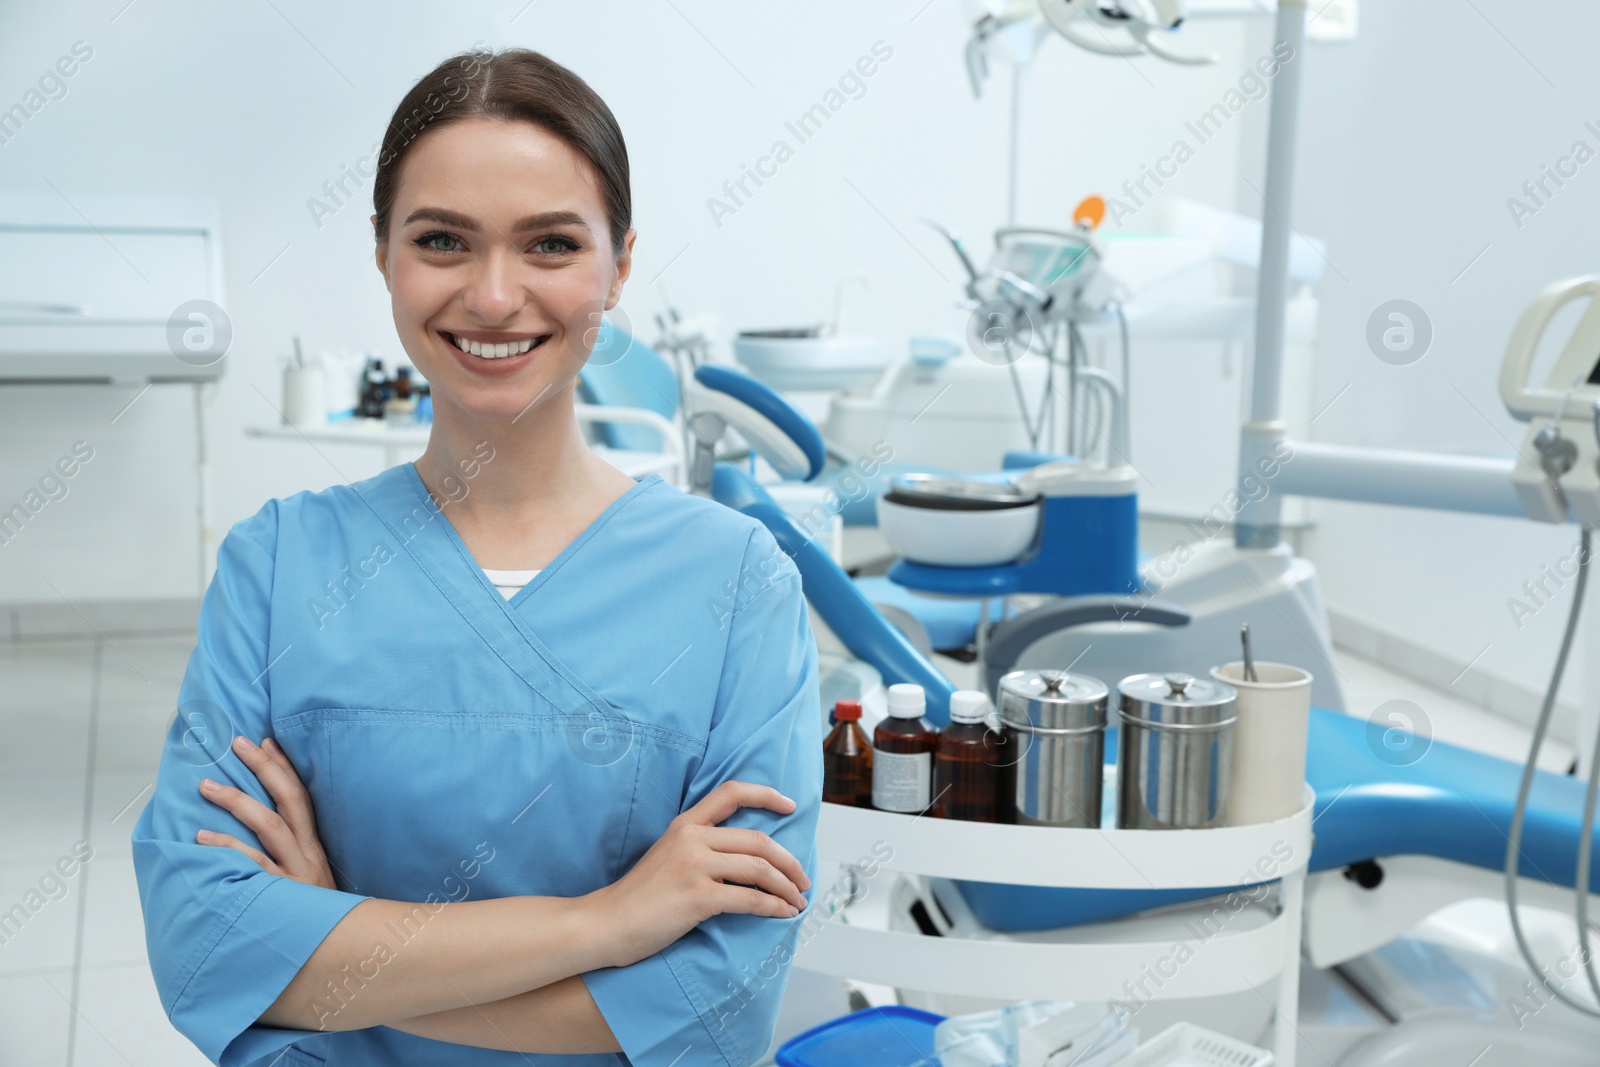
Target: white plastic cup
[[1269, 742], [305, 398]]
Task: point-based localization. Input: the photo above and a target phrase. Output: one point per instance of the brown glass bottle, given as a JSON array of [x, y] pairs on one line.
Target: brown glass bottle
[[903, 748], [847, 759], [969, 781]]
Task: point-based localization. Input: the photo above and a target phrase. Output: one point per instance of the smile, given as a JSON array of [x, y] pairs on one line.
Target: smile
[[496, 350]]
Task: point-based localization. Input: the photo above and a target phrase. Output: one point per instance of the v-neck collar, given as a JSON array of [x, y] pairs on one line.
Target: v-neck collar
[[420, 489]]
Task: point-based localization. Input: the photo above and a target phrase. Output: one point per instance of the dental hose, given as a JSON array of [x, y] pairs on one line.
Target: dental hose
[[1586, 838], [1585, 849]]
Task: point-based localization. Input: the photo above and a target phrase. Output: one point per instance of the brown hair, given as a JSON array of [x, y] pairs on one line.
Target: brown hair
[[516, 85]]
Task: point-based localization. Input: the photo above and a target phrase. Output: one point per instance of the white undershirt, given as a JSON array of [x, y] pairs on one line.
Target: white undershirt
[[509, 582]]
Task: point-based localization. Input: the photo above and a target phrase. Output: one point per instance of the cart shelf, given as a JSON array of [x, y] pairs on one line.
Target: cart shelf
[[1064, 856], [1204, 949]]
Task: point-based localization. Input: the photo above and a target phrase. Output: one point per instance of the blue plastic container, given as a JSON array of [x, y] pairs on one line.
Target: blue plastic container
[[891, 1036]]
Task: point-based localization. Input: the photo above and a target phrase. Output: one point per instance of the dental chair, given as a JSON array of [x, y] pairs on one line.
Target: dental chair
[[623, 371], [1395, 839], [720, 396]]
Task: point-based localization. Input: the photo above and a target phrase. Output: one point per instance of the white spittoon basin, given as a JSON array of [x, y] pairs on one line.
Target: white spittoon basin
[[814, 363], [954, 538]]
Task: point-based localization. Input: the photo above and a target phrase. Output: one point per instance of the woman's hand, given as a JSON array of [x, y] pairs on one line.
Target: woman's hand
[[290, 833], [698, 869]]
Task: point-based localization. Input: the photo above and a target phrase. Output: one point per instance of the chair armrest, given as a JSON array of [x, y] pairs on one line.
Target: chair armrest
[[1009, 638], [671, 436]]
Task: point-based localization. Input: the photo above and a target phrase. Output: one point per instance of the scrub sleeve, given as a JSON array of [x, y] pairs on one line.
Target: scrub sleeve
[[224, 936]]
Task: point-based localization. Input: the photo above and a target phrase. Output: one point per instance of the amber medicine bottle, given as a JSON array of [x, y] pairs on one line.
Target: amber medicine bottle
[[847, 759], [903, 747], [968, 782]]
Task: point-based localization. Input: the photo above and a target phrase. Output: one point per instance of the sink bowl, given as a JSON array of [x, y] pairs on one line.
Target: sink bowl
[[812, 363], [958, 537]]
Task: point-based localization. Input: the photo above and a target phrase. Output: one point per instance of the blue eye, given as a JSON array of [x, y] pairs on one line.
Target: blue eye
[[430, 241]]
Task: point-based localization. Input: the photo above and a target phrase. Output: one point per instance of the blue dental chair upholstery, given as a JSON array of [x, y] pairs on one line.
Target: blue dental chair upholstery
[[623, 371]]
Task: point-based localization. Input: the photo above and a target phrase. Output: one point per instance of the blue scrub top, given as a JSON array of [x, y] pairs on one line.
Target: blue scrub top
[[458, 745]]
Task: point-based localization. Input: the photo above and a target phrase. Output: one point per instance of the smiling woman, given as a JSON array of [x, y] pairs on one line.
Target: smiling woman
[[645, 773]]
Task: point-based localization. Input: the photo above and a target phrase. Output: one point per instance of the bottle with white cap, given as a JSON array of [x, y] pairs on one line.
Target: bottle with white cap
[[968, 780], [903, 746]]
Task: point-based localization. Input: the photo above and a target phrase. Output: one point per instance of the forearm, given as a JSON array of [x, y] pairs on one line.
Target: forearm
[[390, 960], [558, 1018]]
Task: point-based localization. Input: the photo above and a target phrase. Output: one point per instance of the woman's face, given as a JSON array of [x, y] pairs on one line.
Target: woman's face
[[498, 264]]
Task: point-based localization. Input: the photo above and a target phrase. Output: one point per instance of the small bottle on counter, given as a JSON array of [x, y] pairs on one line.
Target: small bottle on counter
[[401, 407], [847, 759], [374, 389], [968, 779], [903, 746]]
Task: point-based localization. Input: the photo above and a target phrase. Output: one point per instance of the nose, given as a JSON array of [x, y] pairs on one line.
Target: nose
[[495, 292]]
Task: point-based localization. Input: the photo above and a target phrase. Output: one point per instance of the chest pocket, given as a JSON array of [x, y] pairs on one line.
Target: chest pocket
[[455, 806]]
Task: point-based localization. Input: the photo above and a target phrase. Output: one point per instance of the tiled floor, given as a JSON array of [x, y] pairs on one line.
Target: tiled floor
[[81, 728]]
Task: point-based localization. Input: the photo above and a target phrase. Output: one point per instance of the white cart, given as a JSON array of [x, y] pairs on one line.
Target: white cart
[[1228, 951]]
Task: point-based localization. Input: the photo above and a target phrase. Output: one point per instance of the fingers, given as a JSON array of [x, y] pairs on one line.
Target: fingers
[[755, 843], [207, 837], [736, 899], [729, 797], [753, 871], [273, 769], [268, 825]]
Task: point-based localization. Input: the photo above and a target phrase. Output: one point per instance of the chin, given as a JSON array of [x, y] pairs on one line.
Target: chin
[[509, 400]]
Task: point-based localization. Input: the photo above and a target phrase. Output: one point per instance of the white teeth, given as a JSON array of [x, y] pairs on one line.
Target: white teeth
[[493, 351]]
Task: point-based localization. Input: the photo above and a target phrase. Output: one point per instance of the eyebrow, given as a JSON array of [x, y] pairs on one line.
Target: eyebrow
[[446, 217]]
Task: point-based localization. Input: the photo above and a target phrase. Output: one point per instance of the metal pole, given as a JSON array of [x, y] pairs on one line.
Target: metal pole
[[1286, 1029], [1475, 485], [1260, 525], [1019, 71]]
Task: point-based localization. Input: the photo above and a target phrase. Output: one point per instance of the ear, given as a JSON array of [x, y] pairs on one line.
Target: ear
[[623, 269], [381, 254]]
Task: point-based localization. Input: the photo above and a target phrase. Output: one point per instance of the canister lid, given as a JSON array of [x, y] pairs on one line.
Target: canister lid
[[1052, 700], [907, 700], [1176, 699]]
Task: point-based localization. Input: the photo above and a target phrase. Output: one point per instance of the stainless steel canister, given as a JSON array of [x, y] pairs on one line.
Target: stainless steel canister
[[1174, 758], [1055, 730]]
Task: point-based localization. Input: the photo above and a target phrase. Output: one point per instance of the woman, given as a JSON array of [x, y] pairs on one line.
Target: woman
[[406, 817]]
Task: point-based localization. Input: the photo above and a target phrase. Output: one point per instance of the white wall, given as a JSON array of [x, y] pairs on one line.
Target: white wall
[[234, 102], [1414, 138]]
